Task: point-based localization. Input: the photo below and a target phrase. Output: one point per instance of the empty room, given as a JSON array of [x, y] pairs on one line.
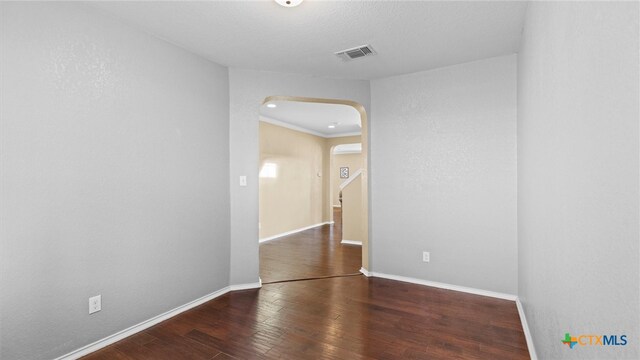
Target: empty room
[[309, 179]]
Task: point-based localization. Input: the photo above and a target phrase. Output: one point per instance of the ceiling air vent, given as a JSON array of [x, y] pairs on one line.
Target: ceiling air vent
[[356, 52]]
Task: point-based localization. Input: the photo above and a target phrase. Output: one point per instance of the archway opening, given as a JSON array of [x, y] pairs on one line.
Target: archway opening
[[279, 136]]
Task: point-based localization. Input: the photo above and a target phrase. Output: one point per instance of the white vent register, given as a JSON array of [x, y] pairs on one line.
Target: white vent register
[[356, 52]]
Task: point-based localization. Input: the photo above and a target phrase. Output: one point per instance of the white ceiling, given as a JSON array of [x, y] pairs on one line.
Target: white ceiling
[[409, 36], [313, 118]]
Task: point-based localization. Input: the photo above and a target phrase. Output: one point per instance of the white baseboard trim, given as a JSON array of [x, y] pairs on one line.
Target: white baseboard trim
[[255, 285], [97, 345], [294, 231], [351, 242], [365, 272], [446, 286], [527, 332]]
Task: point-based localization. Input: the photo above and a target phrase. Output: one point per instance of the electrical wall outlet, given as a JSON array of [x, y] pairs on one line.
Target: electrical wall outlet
[[95, 304], [426, 256]]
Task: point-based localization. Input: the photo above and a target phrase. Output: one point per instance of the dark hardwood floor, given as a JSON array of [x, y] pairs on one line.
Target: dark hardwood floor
[[336, 318], [312, 253], [351, 317]]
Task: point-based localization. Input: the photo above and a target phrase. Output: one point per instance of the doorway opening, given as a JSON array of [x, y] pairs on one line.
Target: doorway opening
[[311, 152]]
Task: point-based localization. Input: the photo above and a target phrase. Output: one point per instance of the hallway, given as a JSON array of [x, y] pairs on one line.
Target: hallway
[[308, 254]]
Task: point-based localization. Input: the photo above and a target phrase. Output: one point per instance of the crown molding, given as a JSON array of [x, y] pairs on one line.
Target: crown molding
[[283, 124]]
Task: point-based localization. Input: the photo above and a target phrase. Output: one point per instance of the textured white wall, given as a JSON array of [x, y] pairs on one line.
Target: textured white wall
[[443, 175], [248, 88], [115, 157], [578, 112]]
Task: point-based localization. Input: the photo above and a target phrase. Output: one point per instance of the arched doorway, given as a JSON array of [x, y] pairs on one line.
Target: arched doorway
[[363, 173]]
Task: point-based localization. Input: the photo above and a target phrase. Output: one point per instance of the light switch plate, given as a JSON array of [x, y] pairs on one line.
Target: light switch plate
[[243, 180], [95, 304]]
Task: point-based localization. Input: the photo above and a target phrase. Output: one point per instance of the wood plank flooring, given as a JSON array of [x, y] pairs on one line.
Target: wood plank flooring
[[350, 317], [335, 318], [311, 253]]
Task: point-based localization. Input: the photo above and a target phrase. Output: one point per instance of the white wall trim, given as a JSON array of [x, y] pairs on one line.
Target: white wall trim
[[351, 178], [337, 206], [294, 231], [343, 149], [351, 242], [523, 318], [365, 272], [527, 332], [283, 124], [97, 345], [446, 286], [255, 285], [355, 133]]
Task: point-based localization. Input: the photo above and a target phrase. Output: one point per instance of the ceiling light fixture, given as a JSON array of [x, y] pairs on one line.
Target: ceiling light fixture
[[333, 125], [271, 106], [289, 3]]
